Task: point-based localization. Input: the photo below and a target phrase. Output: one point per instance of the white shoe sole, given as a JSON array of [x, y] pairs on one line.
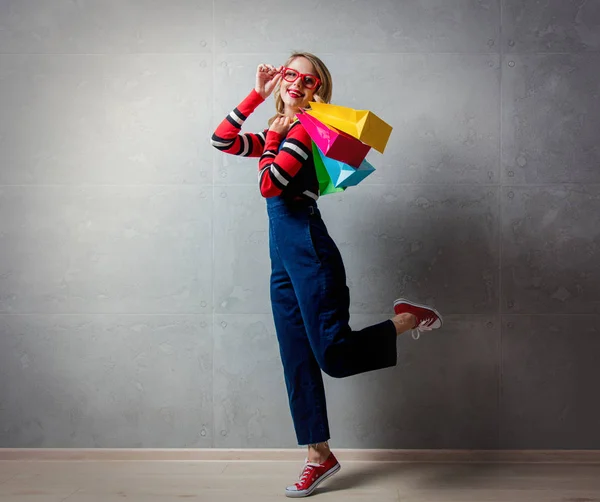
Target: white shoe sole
[[427, 307], [306, 493]]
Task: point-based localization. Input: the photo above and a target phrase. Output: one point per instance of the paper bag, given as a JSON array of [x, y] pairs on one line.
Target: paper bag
[[363, 125], [343, 175], [333, 143], [325, 183]]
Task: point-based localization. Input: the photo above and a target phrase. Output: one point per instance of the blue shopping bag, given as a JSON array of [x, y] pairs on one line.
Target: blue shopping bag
[[344, 175]]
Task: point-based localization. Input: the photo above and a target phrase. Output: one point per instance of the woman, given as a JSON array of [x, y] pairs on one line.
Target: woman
[[309, 296]]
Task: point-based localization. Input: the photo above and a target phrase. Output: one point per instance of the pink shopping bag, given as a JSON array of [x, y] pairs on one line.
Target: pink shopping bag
[[334, 143]]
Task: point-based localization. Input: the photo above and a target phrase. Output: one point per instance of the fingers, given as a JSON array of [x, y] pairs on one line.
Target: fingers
[[272, 81], [269, 69], [281, 124]]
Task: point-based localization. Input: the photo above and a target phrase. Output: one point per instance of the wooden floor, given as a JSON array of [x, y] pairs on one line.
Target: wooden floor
[[242, 481]]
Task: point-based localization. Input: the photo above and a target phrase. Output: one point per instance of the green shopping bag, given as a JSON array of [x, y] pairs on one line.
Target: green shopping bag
[[326, 185]]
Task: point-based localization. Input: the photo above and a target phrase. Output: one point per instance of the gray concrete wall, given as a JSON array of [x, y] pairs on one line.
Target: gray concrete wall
[[134, 267]]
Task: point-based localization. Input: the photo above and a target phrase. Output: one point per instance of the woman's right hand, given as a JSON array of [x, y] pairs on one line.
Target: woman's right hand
[[267, 78], [281, 125]]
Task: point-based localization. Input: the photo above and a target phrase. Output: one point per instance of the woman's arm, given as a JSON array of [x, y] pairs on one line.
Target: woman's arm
[[227, 136]]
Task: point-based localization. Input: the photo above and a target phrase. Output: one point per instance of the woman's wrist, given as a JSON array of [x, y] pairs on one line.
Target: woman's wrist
[[261, 94]]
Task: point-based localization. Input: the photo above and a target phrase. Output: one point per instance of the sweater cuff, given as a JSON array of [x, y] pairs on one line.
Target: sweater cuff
[[273, 140], [256, 97], [275, 136]]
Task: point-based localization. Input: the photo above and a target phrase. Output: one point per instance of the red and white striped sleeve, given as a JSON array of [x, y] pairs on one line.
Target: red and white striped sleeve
[[227, 136], [277, 166]]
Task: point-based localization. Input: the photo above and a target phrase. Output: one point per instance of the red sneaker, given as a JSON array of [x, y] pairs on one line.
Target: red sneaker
[[427, 318], [312, 475]]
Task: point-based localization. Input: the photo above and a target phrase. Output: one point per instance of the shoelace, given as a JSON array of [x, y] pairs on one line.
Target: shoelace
[[422, 326], [308, 468]]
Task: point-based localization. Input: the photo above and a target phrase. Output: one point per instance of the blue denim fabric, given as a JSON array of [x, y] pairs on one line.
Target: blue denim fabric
[[310, 302]]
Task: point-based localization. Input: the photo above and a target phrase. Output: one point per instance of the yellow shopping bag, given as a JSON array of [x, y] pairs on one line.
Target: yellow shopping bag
[[364, 125]]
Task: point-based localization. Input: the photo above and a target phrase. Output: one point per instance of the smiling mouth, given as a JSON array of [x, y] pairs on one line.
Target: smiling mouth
[[295, 94]]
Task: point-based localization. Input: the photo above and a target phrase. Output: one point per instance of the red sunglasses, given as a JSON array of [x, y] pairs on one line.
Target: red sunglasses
[[309, 81]]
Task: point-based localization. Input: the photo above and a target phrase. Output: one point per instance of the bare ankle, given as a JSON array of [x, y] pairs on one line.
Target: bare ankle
[[318, 453], [404, 322]]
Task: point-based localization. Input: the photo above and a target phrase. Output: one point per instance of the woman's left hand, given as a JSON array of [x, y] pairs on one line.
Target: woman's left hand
[[281, 125]]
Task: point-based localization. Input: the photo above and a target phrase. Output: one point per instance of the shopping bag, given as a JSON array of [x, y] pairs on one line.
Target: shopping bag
[[325, 183], [333, 143], [343, 175], [363, 125]]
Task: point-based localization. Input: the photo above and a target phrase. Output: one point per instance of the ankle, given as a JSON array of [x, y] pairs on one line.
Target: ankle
[[318, 453], [404, 322]]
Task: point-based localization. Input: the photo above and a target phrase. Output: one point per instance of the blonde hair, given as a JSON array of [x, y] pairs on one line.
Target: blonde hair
[[324, 90]]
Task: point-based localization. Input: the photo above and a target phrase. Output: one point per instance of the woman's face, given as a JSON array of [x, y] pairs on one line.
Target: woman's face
[[296, 94]]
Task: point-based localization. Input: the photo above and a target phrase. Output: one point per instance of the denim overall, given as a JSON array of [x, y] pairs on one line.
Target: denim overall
[[310, 302]]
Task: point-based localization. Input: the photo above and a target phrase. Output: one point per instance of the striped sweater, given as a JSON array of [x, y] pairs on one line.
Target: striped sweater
[[286, 162]]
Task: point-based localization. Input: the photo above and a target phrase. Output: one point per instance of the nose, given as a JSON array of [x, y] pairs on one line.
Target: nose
[[298, 83]]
